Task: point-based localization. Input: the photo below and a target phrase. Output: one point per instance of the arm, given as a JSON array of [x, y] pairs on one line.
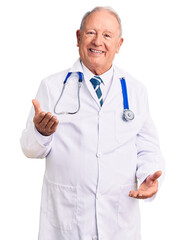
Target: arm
[[150, 162]]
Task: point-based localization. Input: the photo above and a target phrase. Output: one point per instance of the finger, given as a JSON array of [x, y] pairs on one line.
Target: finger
[[54, 127], [145, 195], [39, 117], [45, 120], [51, 126], [36, 105], [133, 194], [140, 195], [51, 122], [154, 176]]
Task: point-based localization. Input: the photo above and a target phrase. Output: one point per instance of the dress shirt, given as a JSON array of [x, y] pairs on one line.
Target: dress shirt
[[106, 77]]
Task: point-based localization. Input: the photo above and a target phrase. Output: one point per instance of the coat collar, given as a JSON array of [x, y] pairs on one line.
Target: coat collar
[[117, 75], [77, 67]]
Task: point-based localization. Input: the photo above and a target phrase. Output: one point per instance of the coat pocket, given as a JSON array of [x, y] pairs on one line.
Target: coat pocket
[[128, 208], [62, 206], [126, 131]]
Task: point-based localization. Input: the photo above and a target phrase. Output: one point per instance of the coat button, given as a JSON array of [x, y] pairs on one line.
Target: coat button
[[99, 154]]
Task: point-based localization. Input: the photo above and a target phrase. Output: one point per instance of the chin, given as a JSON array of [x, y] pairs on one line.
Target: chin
[[96, 63]]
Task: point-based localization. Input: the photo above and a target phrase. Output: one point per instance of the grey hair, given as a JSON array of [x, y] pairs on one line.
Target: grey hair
[[109, 9]]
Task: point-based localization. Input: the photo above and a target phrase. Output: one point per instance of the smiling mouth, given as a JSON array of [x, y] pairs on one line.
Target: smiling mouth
[[95, 51]]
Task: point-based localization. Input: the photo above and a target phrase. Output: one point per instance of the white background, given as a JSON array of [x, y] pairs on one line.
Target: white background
[[38, 39]]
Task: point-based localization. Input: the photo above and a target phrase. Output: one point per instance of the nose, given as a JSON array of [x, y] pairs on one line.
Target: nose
[[97, 40]]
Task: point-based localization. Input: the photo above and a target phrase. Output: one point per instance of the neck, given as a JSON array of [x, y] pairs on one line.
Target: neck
[[97, 71]]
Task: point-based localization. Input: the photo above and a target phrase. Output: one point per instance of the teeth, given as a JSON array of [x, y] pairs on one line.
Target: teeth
[[96, 51]]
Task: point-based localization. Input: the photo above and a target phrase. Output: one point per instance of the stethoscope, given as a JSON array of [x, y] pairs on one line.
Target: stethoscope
[[128, 115]]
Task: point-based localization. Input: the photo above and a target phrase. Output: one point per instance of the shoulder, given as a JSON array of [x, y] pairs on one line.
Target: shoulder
[[56, 78], [133, 83]]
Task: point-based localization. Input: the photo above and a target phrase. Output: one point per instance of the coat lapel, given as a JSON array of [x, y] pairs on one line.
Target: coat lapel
[[77, 67], [115, 87]]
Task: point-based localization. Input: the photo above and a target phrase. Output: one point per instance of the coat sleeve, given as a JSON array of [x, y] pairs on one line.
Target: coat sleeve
[[34, 144], [149, 156]]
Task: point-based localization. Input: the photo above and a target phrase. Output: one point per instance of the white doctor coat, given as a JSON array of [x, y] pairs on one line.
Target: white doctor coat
[[93, 159]]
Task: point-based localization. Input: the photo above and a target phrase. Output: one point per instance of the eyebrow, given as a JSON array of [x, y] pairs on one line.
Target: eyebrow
[[92, 28]]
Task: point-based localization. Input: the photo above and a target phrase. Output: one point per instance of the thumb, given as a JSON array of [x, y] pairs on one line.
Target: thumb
[[154, 176], [36, 105]]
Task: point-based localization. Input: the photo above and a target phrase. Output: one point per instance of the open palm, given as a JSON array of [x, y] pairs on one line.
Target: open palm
[[148, 188]]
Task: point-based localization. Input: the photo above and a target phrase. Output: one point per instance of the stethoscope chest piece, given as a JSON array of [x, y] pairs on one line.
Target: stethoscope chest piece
[[128, 115]]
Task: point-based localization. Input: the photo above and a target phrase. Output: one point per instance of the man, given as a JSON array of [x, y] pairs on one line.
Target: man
[[93, 158]]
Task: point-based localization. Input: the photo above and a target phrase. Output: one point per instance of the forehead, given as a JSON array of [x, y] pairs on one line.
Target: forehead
[[102, 19]]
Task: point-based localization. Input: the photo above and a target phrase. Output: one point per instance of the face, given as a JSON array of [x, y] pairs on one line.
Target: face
[[99, 41]]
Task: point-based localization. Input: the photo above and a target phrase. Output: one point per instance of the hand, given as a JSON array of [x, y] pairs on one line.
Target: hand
[[148, 188], [45, 123]]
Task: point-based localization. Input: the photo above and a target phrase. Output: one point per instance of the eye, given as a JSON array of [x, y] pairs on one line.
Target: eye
[[107, 35], [90, 33]]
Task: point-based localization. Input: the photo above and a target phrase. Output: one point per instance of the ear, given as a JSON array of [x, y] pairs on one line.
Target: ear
[[78, 34], [120, 42]]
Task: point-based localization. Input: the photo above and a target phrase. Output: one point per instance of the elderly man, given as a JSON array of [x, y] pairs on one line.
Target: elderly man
[[94, 155]]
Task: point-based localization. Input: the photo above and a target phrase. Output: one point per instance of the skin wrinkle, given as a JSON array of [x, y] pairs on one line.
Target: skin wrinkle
[[102, 36]]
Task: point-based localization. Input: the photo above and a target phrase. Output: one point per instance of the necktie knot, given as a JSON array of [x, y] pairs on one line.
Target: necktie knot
[[96, 81]]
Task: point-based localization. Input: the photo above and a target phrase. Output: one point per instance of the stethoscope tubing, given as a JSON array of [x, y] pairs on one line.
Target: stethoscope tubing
[[64, 84], [124, 91], [127, 113]]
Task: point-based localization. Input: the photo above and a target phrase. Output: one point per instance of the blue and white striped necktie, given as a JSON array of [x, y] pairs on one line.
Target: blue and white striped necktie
[[96, 81]]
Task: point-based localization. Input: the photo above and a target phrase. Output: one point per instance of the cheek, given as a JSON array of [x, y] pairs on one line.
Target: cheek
[[83, 45], [85, 41], [108, 46], [111, 47], [83, 50], [112, 51]]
